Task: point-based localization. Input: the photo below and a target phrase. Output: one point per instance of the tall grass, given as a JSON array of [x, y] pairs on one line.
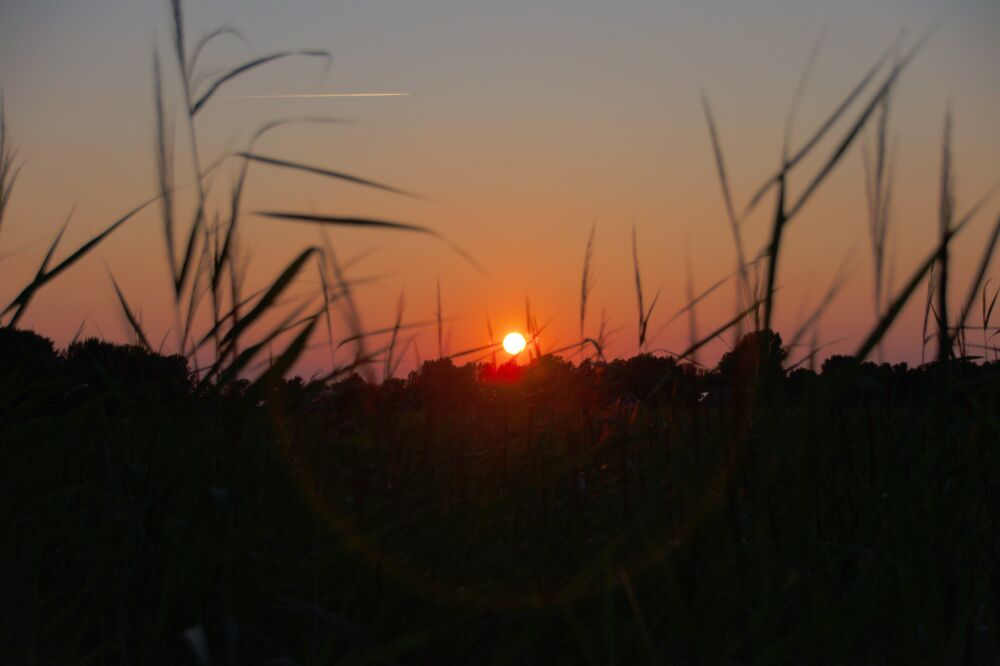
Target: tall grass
[[644, 313], [586, 282], [10, 168], [945, 212], [878, 187], [878, 166], [692, 305]]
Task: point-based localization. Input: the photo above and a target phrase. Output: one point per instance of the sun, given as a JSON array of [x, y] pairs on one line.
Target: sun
[[514, 343]]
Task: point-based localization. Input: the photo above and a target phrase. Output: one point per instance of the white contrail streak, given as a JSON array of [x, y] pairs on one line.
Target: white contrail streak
[[318, 95]]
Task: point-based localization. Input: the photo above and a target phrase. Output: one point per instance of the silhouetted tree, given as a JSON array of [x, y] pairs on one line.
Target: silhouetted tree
[[757, 358], [133, 374]]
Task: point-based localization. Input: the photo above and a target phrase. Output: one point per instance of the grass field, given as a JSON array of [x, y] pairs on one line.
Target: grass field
[[845, 517]]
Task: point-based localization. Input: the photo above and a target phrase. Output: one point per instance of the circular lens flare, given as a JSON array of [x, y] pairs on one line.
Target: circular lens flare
[[514, 343]]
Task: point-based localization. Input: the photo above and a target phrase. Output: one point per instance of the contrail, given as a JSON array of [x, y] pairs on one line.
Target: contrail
[[319, 95]]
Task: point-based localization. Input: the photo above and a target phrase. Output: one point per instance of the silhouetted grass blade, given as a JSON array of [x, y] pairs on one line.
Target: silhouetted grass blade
[[242, 359], [236, 198], [348, 221], [473, 350], [329, 173], [587, 281], [382, 331], [164, 166], [287, 359], [897, 305], [828, 298], [246, 67], [946, 210], [977, 282], [855, 129], [207, 39], [46, 276], [280, 284], [39, 274], [9, 169], [719, 331], [130, 316], [727, 196], [820, 133], [777, 228], [333, 220], [189, 247]]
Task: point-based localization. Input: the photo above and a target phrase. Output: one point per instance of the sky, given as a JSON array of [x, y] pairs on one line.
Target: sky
[[524, 123]]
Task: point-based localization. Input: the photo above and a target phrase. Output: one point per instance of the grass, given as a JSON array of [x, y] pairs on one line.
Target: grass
[[442, 518], [205, 508]]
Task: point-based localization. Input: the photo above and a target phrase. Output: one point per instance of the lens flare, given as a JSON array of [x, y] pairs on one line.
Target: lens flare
[[514, 343]]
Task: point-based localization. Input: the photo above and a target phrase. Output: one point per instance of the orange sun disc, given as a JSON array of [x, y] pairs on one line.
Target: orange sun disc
[[514, 343]]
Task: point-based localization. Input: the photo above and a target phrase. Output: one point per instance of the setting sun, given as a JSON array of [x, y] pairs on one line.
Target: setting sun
[[514, 343]]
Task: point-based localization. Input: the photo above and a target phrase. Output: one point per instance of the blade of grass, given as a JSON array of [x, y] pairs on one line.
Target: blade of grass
[[287, 358], [350, 367], [719, 331], [40, 273], [638, 288], [686, 354], [438, 315], [327, 303], [977, 282], [277, 287], [130, 316], [352, 315], [225, 31], [734, 224], [189, 247], [945, 214], [928, 305], [587, 282], [164, 166], [329, 220], [839, 279], [800, 89], [383, 331], [46, 276], [689, 287], [180, 50], [777, 228], [9, 168], [473, 350], [811, 356], [329, 173], [856, 128], [493, 342], [248, 66], [878, 188], [241, 360], [702, 296], [818, 135], [897, 304], [236, 197], [988, 312], [402, 355]]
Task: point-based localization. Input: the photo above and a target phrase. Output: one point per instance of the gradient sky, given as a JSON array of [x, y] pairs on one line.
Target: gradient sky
[[526, 121]]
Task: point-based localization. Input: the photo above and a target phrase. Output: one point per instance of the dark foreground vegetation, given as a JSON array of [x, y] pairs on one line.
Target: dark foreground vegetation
[[637, 511]]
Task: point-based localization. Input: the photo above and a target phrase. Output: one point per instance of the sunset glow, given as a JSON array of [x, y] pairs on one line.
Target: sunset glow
[[514, 343]]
